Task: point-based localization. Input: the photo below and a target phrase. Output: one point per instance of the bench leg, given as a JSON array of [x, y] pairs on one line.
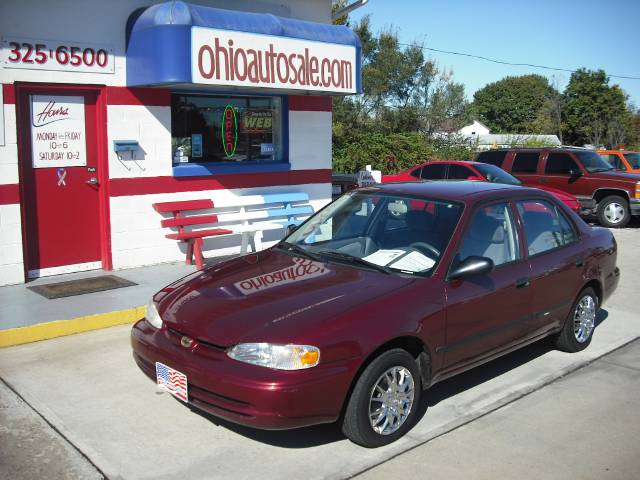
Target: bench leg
[[189, 252], [256, 241], [243, 244], [198, 253]]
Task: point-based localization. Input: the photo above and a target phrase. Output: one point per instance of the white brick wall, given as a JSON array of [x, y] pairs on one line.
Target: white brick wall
[[151, 127], [11, 266], [310, 140]]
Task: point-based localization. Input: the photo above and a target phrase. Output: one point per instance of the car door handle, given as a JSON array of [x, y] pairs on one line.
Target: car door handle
[[523, 283], [580, 262]]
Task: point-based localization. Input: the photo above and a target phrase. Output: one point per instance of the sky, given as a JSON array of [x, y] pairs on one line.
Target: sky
[[567, 34]]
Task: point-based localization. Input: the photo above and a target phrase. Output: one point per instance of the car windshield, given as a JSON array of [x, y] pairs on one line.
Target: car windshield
[[495, 174], [378, 231], [593, 162], [633, 159]]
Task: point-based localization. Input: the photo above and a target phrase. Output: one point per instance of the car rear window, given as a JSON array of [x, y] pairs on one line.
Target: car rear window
[[494, 157], [525, 162]]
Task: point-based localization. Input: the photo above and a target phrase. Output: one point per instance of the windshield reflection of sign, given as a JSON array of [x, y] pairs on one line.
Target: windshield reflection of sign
[[301, 269]]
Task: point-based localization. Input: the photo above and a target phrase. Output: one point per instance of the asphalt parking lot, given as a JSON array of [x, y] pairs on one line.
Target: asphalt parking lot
[[78, 407]]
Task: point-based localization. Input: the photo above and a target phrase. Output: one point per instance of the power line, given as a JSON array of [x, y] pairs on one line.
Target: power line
[[515, 64]]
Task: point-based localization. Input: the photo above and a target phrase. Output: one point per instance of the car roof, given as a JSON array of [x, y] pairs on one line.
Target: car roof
[[462, 190]]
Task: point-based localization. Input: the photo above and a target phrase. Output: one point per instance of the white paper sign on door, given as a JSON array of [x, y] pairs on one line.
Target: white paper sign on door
[[58, 137]]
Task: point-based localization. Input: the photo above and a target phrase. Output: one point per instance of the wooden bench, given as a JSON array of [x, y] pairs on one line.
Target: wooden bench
[[247, 215]]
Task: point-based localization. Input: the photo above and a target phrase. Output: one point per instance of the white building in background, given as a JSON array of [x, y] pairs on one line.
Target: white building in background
[[479, 135]]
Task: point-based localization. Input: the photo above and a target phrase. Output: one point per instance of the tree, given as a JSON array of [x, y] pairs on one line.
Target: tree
[[594, 111], [515, 104]]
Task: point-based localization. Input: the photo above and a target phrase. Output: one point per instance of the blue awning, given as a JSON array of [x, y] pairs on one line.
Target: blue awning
[[163, 37]]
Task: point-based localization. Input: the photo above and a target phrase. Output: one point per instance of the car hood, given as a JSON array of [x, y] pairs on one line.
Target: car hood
[[612, 174], [554, 191], [270, 297]]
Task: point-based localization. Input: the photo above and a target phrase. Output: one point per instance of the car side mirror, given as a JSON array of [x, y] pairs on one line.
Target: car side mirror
[[472, 266], [291, 228], [575, 172]]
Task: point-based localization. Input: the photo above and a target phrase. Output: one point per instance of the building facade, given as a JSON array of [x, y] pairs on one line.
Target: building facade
[[110, 107]]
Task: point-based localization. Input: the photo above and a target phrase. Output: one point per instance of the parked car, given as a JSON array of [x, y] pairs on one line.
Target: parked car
[[622, 160], [611, 195], [342, 182], [478, 171], [380, 295]]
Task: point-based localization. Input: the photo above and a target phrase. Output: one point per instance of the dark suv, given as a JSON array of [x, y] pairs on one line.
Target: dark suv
[[611, 195]]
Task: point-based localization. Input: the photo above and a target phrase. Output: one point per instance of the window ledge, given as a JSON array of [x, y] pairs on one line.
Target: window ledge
[[202, 169]]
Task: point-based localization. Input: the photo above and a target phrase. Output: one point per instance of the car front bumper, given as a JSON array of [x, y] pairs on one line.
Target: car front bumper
[[634, 206], [246, 394]]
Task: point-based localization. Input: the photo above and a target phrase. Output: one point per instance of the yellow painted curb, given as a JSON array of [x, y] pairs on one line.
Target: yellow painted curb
[[60, 328]]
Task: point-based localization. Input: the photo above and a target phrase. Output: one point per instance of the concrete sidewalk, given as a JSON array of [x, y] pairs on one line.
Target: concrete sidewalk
[[21, 307], [585, 425]]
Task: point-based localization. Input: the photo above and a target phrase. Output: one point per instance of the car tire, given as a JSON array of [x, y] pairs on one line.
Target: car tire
[[613, 212], [366, 397], [578, 328]]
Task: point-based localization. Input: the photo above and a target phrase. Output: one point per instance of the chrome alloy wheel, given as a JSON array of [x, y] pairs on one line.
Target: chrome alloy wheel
[[614, 212], [391, 400], [584, 318]]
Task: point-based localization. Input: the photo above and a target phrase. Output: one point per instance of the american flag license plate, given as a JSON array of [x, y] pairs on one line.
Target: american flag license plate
[[172, 381]]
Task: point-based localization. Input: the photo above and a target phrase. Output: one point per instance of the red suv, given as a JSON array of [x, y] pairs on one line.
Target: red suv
[[611, 195]]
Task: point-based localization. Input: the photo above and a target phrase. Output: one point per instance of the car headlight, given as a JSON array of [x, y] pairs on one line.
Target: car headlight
[[153, 317], [281, 357]]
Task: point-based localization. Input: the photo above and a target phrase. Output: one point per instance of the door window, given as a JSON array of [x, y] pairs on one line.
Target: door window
[[434, 171], [491, 234], [460, 172], [544, 227], [560, 163], [525, 162]]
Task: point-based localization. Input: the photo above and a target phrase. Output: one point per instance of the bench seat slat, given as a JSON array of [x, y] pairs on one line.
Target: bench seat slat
[[168, 207], [192, 220], [212, 232]]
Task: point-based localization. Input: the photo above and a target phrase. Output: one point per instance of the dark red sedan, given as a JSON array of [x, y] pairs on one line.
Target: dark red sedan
[[375, 298], [477, 171]]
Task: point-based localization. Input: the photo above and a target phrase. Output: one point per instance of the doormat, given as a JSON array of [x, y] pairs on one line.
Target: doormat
[[81, 287]]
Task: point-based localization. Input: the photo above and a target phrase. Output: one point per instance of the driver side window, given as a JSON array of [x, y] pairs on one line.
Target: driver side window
[[491, 234]]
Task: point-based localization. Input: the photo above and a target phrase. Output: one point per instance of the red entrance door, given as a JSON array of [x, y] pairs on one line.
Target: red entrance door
[[60, 139]]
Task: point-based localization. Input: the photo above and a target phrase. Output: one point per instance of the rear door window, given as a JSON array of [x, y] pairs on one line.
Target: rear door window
[[434, 171], [494, 157], [560, 163], [544, 227], [525, 162]]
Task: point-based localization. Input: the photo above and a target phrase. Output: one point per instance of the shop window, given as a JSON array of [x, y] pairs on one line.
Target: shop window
[[216, 129]]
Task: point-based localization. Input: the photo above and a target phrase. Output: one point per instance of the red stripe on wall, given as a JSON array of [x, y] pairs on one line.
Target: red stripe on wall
[[310, 103], [158, 97], [8, 93], [123, 187], [9, 194]]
